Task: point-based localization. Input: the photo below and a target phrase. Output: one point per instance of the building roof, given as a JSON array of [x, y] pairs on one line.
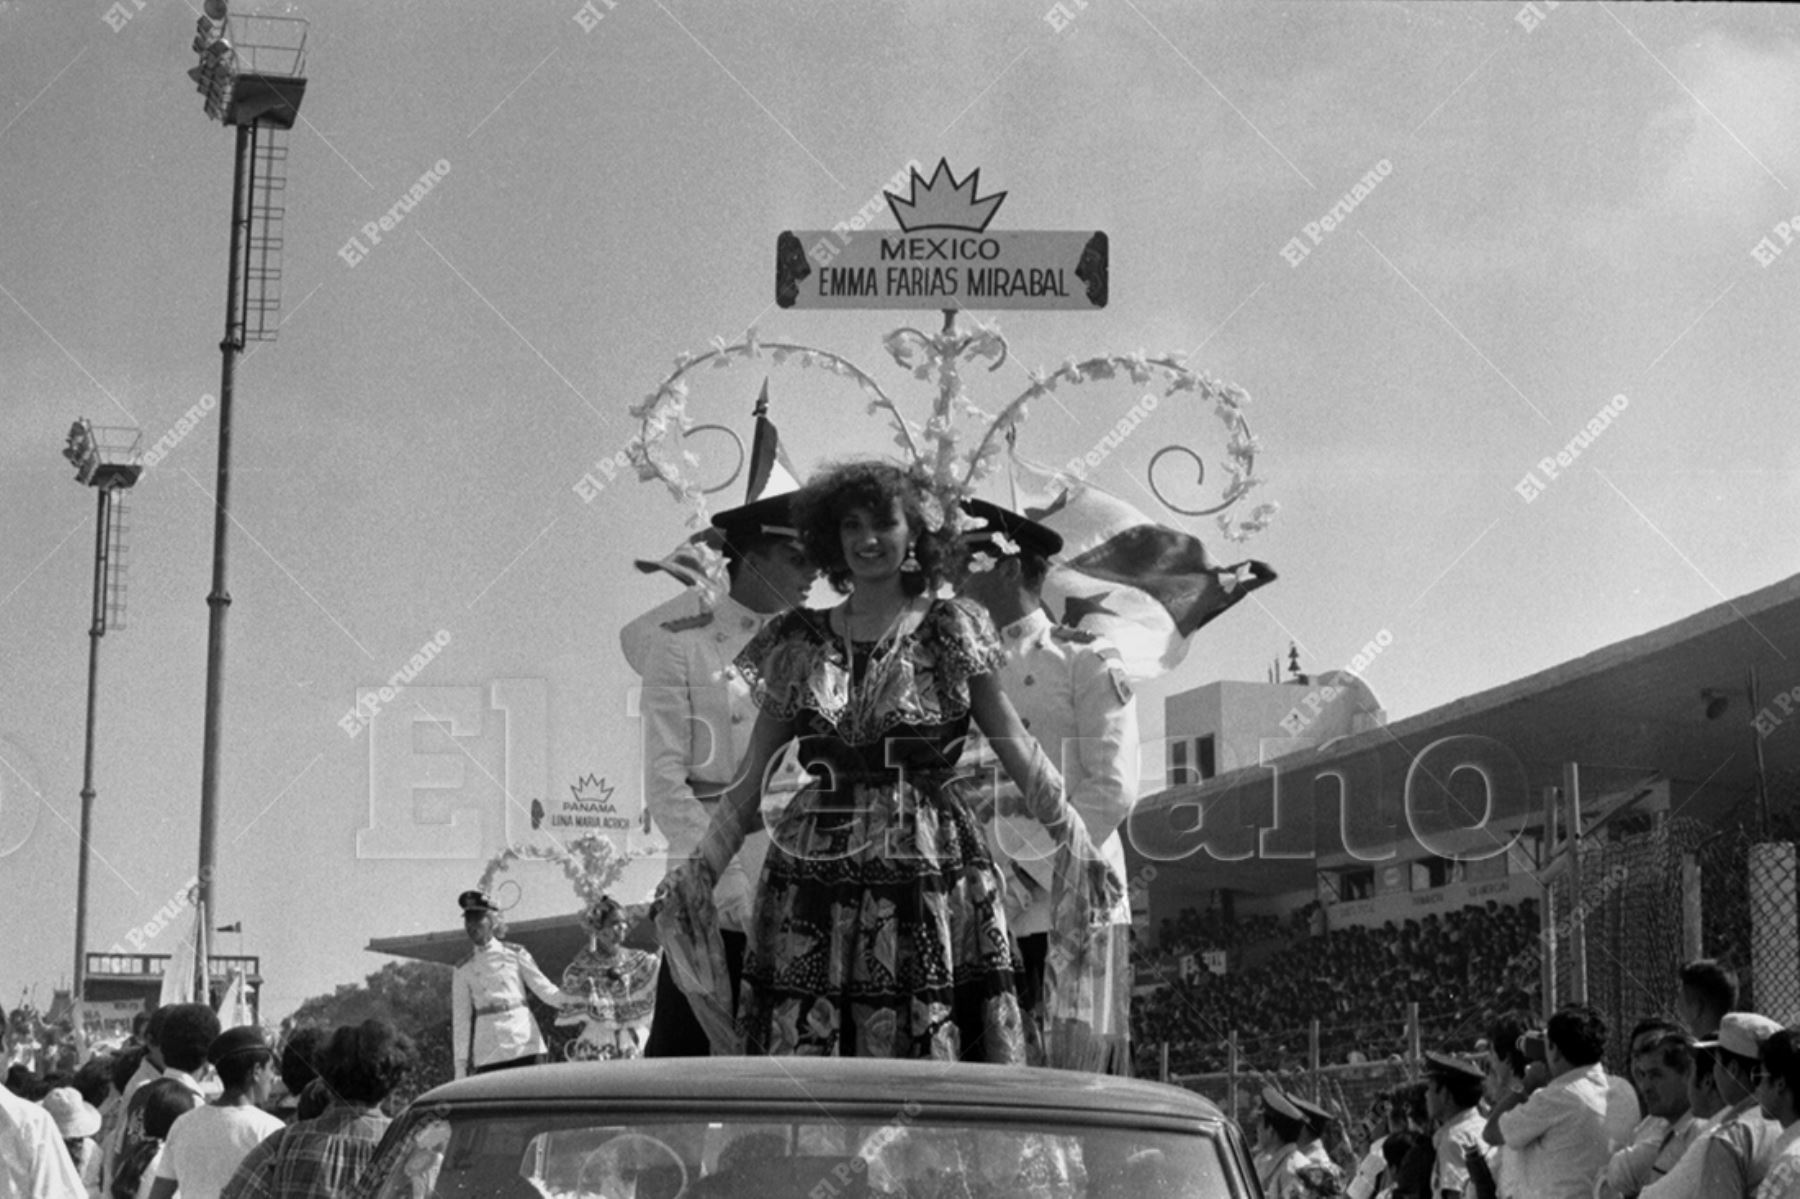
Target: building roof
[[1626, 713], [553, 941]]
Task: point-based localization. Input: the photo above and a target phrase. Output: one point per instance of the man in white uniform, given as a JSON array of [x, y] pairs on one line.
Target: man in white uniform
[[491, 1026], [698, 715], [1070, 690]]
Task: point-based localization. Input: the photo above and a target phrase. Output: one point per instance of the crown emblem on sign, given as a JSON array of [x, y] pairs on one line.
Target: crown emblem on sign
[[580, 786], [945, 203]]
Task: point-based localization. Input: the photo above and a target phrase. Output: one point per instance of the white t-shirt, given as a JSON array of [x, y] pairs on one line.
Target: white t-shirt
[[206, 1145], [1560, 1133]]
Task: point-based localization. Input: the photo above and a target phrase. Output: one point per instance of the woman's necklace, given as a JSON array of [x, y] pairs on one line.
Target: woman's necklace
[[865, 695]]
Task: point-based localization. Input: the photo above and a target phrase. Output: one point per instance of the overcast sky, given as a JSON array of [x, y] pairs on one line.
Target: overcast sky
[[1571, 213]]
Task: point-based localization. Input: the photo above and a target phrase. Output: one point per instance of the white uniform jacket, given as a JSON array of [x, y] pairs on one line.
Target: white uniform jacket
[[1070, 691], [698, 716], [489, 1020]]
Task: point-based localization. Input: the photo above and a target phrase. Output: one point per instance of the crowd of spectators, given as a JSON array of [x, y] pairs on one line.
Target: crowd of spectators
[[1462, 967], [187, 1108], [1703, 1102]]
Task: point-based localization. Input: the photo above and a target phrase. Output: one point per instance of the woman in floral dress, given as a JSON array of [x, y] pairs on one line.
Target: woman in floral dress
[[619, 984], [880, 924]]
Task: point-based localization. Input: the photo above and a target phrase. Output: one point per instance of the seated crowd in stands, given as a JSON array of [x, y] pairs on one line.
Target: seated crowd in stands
[[1462, 967]]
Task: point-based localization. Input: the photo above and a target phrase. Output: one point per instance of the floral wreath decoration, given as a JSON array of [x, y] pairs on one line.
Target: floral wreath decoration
[[934, 451], [592, 864]]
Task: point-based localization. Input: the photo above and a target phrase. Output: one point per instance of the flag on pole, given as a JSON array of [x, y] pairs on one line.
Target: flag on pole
[[693, 561], [234, 1004], [771, 471], [1145, 587], [185, 978]]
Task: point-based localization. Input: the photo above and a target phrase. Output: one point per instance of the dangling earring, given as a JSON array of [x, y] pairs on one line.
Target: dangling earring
[[910, 563]]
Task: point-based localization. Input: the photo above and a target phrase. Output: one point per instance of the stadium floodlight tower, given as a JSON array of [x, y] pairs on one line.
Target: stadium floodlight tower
[[105, 459], [252, 73]]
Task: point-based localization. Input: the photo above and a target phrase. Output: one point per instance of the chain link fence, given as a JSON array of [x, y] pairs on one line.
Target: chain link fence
[[1748, 902]]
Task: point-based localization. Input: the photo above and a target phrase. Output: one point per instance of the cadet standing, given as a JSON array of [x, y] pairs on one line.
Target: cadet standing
[[698, 715], [1070, 690], [491, 1026]]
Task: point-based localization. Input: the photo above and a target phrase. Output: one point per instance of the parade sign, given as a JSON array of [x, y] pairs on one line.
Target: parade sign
[[942, 256]]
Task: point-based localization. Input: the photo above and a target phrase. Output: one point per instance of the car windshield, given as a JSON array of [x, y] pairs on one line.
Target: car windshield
[[559, 1154]]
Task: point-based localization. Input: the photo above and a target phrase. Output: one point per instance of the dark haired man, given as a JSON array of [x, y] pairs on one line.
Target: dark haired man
[[1505, 1073], [1779, 1094], [1072, 695], [1453, 1090], [1706, 992], [324, 1156], [698, 713], [188, 1031], [1661, 1058], [1558, 1121], [205, 1146]]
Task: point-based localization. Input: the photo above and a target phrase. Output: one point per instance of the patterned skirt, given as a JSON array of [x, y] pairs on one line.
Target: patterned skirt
[[880, 929]]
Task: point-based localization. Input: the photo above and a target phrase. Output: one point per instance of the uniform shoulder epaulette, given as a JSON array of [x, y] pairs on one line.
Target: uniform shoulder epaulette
[[469, 957], [698, 620], [1063, 632]]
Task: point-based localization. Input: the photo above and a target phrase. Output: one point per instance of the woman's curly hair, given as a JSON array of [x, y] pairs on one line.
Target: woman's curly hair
[[820, 507], [366, 1061]]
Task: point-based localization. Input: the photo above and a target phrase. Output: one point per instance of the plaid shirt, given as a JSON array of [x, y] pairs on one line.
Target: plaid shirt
[[320, 1157]]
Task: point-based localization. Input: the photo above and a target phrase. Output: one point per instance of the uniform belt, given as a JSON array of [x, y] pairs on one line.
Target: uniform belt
[[494, 1009]]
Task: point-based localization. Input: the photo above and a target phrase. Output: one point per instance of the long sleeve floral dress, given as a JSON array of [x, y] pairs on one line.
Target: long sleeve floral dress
[[880, 923]]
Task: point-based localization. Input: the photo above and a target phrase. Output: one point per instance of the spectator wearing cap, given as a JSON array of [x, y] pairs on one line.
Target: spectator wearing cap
[[1071, 693], [492, 1028], [1730, 1159], [206, 1145], [1312, 1132], [1277, 1158], [1558, 1121], [698, 715], [1452, 1093], [1662, 1058], [1705, 992], [1779, 1093], [77, 1121]]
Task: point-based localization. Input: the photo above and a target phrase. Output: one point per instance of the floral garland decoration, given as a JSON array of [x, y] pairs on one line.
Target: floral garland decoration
[[592, 864], [934, 449], [1228, 402], [666, 408]]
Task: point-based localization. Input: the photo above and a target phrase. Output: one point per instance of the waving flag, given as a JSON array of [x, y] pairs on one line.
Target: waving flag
[[771, 471], [185, 978], [1145, 587]]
